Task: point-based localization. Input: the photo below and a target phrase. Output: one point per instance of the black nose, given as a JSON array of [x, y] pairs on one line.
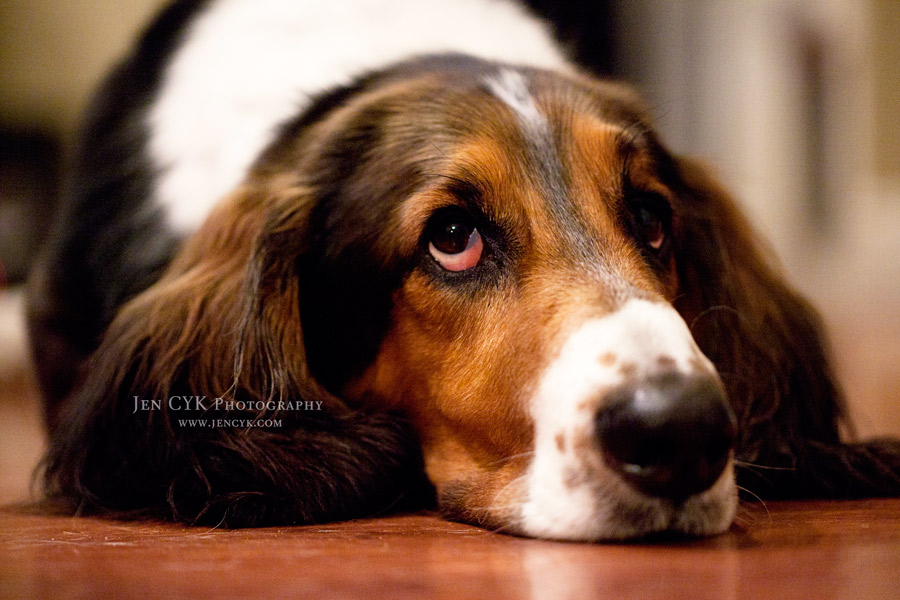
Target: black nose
[[668, 436]]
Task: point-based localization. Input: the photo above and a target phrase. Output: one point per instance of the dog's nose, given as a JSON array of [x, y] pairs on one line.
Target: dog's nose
[[669, 436]]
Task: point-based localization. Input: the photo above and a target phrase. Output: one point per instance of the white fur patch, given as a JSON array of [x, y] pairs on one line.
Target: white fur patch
[[571, 493], [510, 87], [248, 65]]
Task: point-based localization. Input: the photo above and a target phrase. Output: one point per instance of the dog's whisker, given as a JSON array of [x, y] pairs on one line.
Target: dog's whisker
[[741, 463], [507, 459]]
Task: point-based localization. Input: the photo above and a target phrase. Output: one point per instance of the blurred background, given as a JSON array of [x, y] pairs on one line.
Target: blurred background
[[796, 103]]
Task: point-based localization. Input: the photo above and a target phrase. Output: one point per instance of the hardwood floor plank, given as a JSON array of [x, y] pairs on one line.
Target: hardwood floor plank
[[832, 550]]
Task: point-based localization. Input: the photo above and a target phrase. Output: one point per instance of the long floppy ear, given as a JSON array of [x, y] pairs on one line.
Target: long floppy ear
[[768, 345], [222, 325]]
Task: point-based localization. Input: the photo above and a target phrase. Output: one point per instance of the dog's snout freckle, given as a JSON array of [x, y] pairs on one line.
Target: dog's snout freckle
[[608, 359], [666, 363], [628, 370], [560, 442]]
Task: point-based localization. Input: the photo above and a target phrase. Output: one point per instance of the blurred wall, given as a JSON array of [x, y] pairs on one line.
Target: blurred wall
[[886, 59], [53, 52]]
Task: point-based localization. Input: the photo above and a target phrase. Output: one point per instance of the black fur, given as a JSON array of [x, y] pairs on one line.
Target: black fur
[[317, 467]]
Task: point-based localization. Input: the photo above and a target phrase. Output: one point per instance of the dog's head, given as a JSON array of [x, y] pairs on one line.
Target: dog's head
[[511, 259], [492, 251]]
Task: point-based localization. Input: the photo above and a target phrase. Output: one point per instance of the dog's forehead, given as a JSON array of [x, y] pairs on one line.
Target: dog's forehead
[[557, 125], [553, 127], [540, 145]]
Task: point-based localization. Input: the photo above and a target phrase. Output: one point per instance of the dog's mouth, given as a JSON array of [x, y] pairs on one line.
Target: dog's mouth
[[609, 509]]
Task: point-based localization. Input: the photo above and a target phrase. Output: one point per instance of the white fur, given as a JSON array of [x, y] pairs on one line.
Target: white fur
[[571, 494], [248, 65], [510, 87]]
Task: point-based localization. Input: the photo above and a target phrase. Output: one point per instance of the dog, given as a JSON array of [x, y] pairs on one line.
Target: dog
[[322, 263]]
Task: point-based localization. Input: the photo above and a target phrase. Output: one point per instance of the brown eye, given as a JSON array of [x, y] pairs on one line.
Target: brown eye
[[455, 243], [651, 222]]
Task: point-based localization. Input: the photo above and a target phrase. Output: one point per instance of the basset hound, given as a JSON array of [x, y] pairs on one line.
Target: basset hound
[[318, 261]]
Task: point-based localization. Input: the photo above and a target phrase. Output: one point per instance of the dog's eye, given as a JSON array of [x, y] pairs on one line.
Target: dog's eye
[[454, 242], [650, 217]]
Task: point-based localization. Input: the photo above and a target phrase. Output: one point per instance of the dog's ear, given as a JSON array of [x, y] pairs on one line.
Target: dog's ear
[[223, 325], [768, 345]]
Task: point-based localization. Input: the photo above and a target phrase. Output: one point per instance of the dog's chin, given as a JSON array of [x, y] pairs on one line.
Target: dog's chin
[[612, 511]]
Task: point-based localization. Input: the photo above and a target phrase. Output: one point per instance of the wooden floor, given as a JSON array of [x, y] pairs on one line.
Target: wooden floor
[[822, 550]]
